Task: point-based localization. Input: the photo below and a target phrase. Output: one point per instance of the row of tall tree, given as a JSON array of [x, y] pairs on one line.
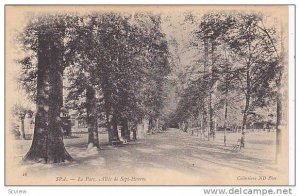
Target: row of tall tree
[[239, 68], [111, 66]]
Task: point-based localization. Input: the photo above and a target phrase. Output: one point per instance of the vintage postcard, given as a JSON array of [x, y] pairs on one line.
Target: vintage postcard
[[146, 95]]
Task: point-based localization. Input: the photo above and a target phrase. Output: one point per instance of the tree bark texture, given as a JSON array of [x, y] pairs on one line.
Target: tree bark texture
[[92, 117], [47, 145]]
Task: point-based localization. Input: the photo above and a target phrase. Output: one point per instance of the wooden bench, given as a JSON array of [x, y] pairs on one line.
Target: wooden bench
[[237, 147], [116, 143]]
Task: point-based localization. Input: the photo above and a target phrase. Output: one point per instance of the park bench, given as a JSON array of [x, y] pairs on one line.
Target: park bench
[[116, 143], [237, 147]]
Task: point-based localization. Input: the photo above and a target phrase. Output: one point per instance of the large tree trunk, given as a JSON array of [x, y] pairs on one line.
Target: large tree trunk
[[226, 96], [114, 129], [211, 127], [245, 112], [151, 125], [23, 128], [210, 117], [125, 132], [47, 145], [105, 85], [123, 129], [92, 123], [109, 127], [107, 112], [225, 119], [205, 111], [201, 127], [279, 101], [278, 123]]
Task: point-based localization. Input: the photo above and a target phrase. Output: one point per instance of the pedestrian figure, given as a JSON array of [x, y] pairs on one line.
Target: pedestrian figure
[[243, 139], [185, 126]]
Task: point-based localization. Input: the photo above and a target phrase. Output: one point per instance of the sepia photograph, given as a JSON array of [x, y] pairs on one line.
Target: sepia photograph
[[147, 95]]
